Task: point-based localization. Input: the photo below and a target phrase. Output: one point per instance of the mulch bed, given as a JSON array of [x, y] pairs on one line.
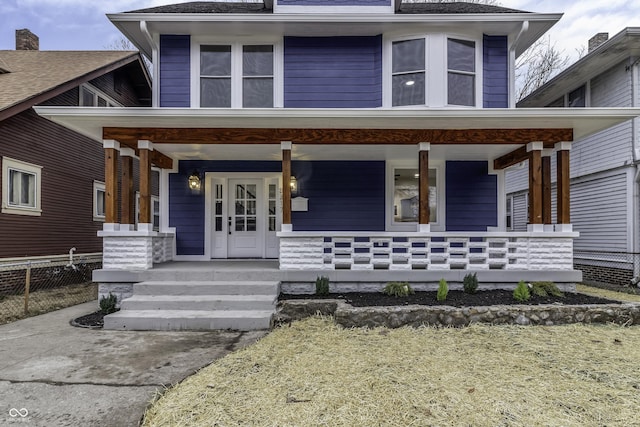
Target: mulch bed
[[92, 321], [454, 298]]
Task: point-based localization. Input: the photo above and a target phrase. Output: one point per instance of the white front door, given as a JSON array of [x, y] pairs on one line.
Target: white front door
[[244, 215], [245, 220]]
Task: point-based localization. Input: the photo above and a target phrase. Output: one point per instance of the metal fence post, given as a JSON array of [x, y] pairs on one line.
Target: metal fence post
[[27, 285]]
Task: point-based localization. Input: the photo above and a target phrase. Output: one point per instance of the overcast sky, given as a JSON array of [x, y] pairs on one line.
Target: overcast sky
[[82, 24]]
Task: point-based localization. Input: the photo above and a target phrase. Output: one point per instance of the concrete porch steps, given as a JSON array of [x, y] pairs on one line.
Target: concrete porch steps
[[197, 305]]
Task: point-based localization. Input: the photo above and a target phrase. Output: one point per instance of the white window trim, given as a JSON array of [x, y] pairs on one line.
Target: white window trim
[[98, 186], [154, 199], [478, 66], [236, 68], [436, 78], [30, 168], [96, 93], [391, 165]]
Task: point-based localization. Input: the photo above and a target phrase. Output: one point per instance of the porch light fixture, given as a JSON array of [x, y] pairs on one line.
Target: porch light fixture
[[194, 181], [293, 182]]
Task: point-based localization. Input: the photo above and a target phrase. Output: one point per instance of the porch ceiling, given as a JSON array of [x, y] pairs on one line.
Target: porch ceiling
[[353, 133]]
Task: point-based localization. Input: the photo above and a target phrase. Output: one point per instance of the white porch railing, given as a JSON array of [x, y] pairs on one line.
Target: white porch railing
[[430, 251]]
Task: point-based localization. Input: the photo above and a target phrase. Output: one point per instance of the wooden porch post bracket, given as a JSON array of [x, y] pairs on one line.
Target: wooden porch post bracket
[[423, 189], [535, 186], [144, 218], [563, 187], [546, 187], [111, 148], [127, 211], [286, 186]]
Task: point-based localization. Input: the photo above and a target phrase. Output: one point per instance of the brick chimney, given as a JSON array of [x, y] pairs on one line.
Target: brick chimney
[[597, 40], [26, 40]]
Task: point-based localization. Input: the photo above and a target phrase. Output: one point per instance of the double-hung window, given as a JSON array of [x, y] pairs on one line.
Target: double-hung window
[[21, 183], [98, 201], [432, 70], [92, 97], [408, 72], [237, 76], [461, 72]]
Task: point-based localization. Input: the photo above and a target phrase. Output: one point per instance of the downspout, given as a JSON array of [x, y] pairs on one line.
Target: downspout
[[71, 251], [635, 141], [154, 63], [512, 61]]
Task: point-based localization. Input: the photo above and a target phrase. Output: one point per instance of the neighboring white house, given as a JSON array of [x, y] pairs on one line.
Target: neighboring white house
[[605, 171]]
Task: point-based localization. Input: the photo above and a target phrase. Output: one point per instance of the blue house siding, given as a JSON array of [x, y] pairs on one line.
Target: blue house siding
[[343, 195], [495, 72], [471, 196], [175, 64], [334, 2], [187, 210], [333, 72]]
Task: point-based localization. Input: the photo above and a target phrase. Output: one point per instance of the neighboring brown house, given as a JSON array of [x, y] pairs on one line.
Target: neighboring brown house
[[52, 180]]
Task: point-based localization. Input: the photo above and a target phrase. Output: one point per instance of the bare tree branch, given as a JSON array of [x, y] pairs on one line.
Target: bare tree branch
[[537, 65]]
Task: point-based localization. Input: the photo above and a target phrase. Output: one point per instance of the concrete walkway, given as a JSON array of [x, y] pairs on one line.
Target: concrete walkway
[[67, 376]]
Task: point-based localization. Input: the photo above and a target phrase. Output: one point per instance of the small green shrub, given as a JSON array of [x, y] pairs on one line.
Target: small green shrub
[[544, 289], [398, 289], [470, 283], [322, 285], [443, 290], [521, 292], [108, 304]]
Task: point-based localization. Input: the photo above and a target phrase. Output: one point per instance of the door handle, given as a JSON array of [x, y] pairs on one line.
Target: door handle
[[229, 226]]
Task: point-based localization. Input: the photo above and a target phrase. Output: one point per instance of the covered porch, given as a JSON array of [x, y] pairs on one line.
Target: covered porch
[[420, 140]]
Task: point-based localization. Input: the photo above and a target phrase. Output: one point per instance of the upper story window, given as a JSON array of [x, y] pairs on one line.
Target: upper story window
[[576, 98], [237, 76], [408, 72], [461, 72], [433, 70], [92, 97]]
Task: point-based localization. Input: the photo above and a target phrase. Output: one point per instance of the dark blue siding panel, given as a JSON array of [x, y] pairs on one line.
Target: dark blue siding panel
[[175, 77], [471, 197], [333, 72], [334, 2], [495, 72], [343, 195], [187, 210]]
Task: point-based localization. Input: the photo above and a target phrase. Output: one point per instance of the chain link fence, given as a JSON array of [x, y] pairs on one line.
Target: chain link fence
[[608, 269], [34, 286]]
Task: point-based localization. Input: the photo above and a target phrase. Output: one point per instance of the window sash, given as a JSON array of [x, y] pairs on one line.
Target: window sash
[[246, 79], [406, 194], [22, 189]]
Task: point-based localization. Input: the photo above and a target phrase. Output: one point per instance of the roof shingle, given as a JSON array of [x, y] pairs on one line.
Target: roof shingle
[[34, 72]]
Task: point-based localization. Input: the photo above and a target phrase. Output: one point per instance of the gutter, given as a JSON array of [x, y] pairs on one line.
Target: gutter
[[155, 64], [512, 62]]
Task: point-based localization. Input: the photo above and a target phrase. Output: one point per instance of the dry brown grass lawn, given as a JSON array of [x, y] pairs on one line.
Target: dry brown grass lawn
[[316, 373]]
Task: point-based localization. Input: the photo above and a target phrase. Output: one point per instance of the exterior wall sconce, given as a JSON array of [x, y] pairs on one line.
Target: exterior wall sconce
[[294, 184], [194, 181]]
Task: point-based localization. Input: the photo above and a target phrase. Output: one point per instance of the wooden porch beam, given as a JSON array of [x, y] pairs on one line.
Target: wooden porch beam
[[510, 159], [127, 194], [111, 185], [563, 188], [337, 136], [157, 158], [546, 189], [286, 186], [144, 214], [423, 187], [535, 187]]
